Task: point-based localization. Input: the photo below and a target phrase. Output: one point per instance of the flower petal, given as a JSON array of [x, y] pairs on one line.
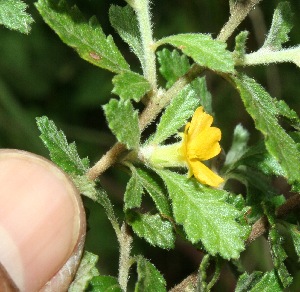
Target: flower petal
[[204, 175], [199, 123], [205, 145]]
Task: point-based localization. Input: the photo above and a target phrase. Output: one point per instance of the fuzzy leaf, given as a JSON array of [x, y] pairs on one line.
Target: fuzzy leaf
[[123, 121], [86, 271], [130, 85], [86, 37], [104, 284], [156, 190], [240, 46], [257, 282], [172, 65], [265, 113], [205, 215], [124, 21], [134, 191], [204, 50], [63, 154], [280, 28], [149, 278], [295, 234], [13, 15], [278, 256], [176, 114], [152, 228], [200, 87]]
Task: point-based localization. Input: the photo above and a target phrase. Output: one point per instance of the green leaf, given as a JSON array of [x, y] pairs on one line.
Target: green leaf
[[257, 282], [172, 65], [123, 121], [295, 234], [104, 284], [204, 50], [152, 228], [280, 28], [265, 113], [86, 37], [240, 46], [176, 114], [134, 191], [152, 184], [63, 154], [13, 15], [124, 21], [238, 146], [200, 87], [278, 256], [149, 278], [130, 85], [205, 215], [86, 271]]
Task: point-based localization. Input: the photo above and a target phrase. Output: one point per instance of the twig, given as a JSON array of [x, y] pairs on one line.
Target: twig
[[238, 13]]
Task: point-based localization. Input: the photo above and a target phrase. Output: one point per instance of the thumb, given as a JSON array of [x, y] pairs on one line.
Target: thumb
[[42, 224]]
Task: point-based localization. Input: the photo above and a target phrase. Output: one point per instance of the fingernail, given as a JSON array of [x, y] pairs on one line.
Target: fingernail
[[40, 218]]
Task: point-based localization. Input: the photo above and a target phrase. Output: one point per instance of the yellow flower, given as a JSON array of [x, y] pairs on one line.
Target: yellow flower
[[201, 142]]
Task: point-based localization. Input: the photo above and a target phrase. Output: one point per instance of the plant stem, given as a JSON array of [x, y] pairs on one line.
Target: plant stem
[[125, 241], [238, 13], [266, 56], [151, 111], [142, 9]]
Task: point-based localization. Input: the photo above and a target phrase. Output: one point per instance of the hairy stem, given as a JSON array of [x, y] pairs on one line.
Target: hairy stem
[[125, 241], [238, 11], [142, 10]]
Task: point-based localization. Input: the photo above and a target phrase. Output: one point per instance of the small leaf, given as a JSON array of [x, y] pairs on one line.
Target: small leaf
[[130, 85], [134, 191], [149, 278], [152, 228], [152, 184], [205, 215], [238, 147], [280, 28], [123, 20], [240, 46], [172, 65], [63, 154], [200, 87], [257, 282], [176, 114], [123, 121], [279, 256], [264, 112], [295, 234], [13, 16], [104, 284], [86, 271], [86, 37], [204, 50]]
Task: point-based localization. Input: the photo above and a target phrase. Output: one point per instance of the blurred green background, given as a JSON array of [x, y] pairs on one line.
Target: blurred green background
[[39, 75]]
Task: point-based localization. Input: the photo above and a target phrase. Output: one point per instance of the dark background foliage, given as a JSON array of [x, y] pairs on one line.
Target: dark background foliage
[[39, 75]]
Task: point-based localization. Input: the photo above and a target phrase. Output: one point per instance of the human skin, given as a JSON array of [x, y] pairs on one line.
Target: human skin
[[42, 224]]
